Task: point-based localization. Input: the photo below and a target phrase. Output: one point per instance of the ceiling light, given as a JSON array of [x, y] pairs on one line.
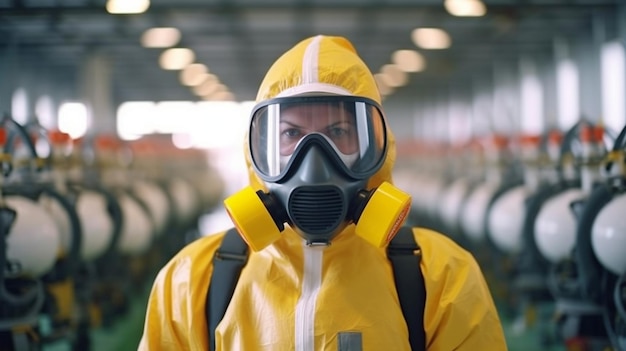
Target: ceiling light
[[208, 85], [383, 88], [118, 7], [393, 75], [465, 8], [162, 37], [193, 74], [408, 60], [431, 38], [176, 58], [223, 95], [215, 89]]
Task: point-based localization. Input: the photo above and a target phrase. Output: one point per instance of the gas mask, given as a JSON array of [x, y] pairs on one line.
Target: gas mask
[[316, 155]]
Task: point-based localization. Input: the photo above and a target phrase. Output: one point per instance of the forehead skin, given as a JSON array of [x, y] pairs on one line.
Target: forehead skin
[[331, 120], [314, 117]]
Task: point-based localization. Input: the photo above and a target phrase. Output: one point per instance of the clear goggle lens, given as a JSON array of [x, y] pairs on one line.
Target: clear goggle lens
[[352, 130]]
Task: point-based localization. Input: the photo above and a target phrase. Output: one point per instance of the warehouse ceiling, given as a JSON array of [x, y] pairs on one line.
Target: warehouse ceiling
[[239, 39]]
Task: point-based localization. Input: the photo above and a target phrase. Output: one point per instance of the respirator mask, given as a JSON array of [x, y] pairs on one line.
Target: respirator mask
[[316, 155]]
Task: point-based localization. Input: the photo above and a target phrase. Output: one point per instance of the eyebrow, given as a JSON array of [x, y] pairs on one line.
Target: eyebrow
[[291, 124], [326, 127]]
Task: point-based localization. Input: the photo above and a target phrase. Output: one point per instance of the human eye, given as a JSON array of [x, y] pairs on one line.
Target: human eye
[[340, 130], [337, 132], [291, 133]]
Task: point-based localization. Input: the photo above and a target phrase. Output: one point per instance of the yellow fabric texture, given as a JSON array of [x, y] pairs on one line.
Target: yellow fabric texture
[[357, 294]]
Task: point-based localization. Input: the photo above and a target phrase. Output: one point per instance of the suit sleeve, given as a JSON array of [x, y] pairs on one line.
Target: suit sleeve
[[460, 313], [176, 311]]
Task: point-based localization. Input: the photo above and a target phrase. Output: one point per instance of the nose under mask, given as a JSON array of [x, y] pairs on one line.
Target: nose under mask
[[348, 160], [318, 202], [317, 196]]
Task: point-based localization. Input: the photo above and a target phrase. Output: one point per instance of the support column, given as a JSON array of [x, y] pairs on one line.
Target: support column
[[548, 78], [8, 69], [95, 83], [531, 106], [482, 111], [588, 59], [505, 103], [568, 84]]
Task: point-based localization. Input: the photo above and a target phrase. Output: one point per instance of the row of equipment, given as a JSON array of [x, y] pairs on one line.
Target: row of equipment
[[545, 217], [85, 225]]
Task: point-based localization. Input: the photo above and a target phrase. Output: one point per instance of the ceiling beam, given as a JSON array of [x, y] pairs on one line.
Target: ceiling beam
[[224, 7]]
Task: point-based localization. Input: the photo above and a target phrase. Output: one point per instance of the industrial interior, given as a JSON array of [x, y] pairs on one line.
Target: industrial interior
[[123, 125]]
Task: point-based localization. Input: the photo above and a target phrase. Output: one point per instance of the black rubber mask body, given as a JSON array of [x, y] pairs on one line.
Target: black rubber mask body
[[316, 196]]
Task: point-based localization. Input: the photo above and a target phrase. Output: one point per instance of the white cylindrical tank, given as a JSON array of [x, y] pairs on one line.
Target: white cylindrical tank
[[506, 218], [137, 228], [451, 202], [431, 191], [475, 209], [555, 225], [61, 218], [416, 185], [211, 188], [96, 224], [157, 202], [412, 182], [608, 235], [185, 198], [34, 240]]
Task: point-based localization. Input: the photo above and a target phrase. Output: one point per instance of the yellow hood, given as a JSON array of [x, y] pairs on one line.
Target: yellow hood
[[291, 296], [325, 65]]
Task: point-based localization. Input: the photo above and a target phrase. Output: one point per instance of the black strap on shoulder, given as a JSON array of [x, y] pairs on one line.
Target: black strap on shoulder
[[228, 262], [405, 255]]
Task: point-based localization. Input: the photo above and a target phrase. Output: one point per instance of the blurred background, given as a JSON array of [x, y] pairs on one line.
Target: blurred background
[[509, 117]]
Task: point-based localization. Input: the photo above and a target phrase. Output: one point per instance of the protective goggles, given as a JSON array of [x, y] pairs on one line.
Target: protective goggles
[[351, 130]]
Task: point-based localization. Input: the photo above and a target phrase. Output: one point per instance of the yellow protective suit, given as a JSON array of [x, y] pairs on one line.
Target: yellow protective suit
[[293, 297]]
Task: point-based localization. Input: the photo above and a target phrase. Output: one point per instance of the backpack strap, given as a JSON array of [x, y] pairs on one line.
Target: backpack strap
[[228, 262], [405, 255]]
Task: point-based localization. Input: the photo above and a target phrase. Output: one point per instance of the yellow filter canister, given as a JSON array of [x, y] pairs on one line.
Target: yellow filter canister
[[252, 219], [384, 214]]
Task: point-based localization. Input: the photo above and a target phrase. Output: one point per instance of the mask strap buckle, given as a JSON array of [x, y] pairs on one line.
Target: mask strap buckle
[[400, 248]]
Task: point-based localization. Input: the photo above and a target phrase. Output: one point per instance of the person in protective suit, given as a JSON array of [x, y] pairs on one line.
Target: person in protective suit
[[317, 216]]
